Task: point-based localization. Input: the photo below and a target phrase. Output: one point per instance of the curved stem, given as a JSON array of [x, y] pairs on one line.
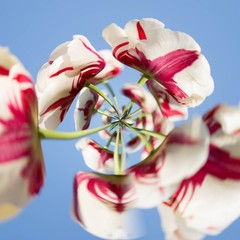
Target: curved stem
[[51, 134], [141, 81], [102, 94], [112, 93], [150, 133], [141, 136]]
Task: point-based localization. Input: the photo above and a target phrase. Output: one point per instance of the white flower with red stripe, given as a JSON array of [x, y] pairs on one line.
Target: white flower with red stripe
[[21, 159], [140, 96], [102, 205], [112, 68], [169, 107], [173, 59], [183, 153], [203, 199], [95, 156], [70, 66], [85, 108]]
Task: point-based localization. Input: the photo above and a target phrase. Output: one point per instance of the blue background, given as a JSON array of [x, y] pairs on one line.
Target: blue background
[[32, 29]]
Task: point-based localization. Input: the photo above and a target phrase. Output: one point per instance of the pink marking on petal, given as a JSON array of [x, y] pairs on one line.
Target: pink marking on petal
[[222, 165], [64, 102], [105, 154], [61, 71], [22, 78], [164, 68], [34, 172], [141, 33], [219, 164], [212, 124], [128, 92], [4, 71], [148, 168]]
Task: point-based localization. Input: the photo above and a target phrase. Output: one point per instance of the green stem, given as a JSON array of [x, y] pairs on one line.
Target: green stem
[[51, 134], [104, 113], [141, 136], [150, 133], [123, 155], [117, 169], [142, 80], [112, 93], [102, 94]]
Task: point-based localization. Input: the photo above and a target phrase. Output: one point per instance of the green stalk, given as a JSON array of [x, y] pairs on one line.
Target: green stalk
[[150, 133], [112, 93], [117, 169], [123, 155], [102, 94], [51, 134], [141, 136]]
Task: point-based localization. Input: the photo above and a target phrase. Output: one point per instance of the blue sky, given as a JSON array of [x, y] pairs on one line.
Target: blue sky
[[32, 29]]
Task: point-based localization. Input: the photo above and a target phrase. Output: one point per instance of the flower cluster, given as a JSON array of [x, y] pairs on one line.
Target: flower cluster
[[144, 159]]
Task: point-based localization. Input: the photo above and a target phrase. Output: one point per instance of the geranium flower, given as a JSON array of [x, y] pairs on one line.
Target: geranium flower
[[70, 66], [21, 158], [173, 59], [208, 201], [102, 205]]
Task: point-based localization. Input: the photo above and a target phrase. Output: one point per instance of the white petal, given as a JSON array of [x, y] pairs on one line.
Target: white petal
[[85, 108], [95, 156], [175, 227], [101, 205]]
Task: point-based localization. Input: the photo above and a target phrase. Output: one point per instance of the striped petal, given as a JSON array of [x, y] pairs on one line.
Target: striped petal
[[194, 199], [174, 226], [111, 197], [171, 58], [185, 149], [21, 159], [95, 156], [169, 107], [85, 108], [140, 96], [112, 68], [69, 67]]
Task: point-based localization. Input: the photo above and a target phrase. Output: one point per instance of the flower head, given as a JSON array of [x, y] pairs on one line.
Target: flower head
[[70, 66], [21, 158], [173, 59]]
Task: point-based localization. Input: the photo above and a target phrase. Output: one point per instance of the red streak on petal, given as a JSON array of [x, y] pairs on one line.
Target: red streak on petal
[[141, 33], [222, 165], [61, 71], [212, 124], [34, 172], [128, 92], [164, 68], [105, 154], [4, 71]]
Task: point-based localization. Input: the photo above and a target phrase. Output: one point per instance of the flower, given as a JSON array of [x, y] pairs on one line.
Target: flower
[[112, 198], [112, 68], [21, 158], [70, 66], [182, 154], [173, 59], [95, 156], [85, 108], [212, 192]]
